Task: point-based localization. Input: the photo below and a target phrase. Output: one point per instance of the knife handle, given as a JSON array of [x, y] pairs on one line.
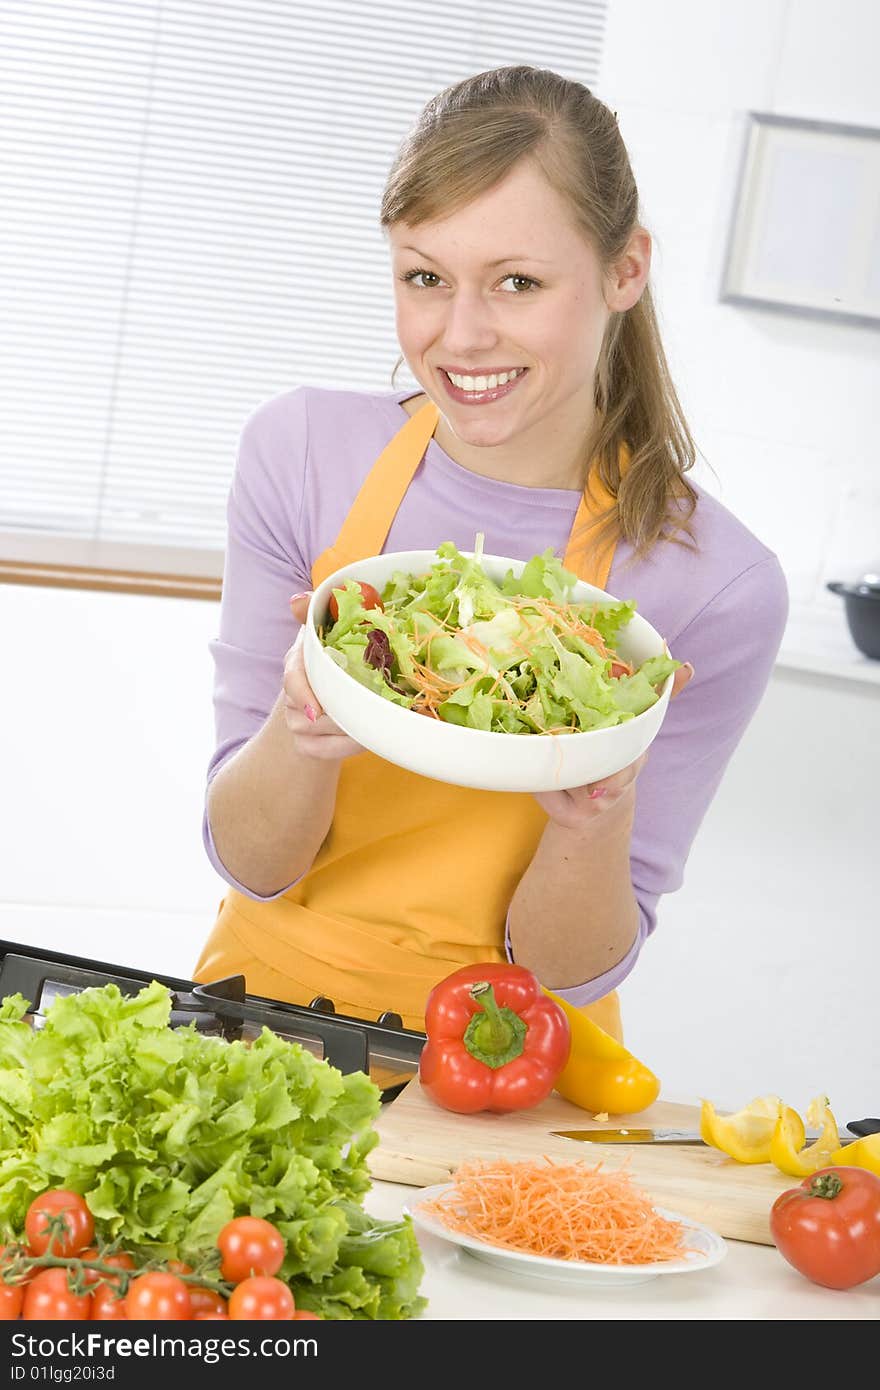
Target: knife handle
[[864, 1127]]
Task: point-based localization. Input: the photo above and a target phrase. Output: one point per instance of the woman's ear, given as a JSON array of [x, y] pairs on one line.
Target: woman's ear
[[628, 276]]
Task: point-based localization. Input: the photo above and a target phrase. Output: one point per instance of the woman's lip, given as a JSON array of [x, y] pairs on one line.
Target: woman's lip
[[481, 397]]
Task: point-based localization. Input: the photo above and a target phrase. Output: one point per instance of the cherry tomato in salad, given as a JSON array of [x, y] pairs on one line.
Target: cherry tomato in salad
[[302, 1313], [828, 1228], [158, 1297], [262, 1299], [370, 596], [49, 1298], [61, 1220], [249, 1245]]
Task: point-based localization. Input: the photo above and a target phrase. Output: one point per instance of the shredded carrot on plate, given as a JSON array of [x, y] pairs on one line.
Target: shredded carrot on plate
[[560, 1211]]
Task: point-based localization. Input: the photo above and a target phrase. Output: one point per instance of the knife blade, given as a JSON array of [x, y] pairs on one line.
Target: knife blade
[[649, 1136]]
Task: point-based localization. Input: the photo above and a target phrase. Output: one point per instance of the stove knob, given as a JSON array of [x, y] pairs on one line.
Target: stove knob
[[322, 1005]]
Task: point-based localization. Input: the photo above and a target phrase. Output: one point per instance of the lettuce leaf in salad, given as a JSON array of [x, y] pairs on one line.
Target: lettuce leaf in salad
[[169, 1133], [517, 657]]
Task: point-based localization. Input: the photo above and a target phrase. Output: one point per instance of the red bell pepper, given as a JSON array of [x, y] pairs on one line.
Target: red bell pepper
[[495, 1041]]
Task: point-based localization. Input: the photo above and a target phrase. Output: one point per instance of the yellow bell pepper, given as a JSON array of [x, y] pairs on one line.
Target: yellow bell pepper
[[861, 1153], [601, 1074], [747, 1134], [786, 1145]]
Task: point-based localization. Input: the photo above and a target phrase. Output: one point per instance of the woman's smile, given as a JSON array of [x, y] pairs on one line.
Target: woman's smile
[[482, 389]]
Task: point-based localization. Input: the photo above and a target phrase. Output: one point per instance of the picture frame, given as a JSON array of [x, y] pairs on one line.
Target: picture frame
[[805, 228]]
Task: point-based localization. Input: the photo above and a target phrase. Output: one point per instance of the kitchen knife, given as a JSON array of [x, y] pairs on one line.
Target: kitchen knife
[[649, 1136]]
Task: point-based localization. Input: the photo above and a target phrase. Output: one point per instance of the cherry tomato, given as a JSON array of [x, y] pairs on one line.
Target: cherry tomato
[[120, 1259], [829, 1227], [158, 1297], [262, 1299], [371, 599], [11, 1299], [61, 1219], [205, 1301], [302, 1313], [108, 1305], [178, 1267], [48, 1298], [210, 1317], [89, 1276], [250, 1245]]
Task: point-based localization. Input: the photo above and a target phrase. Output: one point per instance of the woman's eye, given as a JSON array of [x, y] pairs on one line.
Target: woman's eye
[[524, 279], [415, 274]]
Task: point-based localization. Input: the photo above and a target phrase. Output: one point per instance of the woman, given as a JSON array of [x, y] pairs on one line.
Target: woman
[[512, 220]]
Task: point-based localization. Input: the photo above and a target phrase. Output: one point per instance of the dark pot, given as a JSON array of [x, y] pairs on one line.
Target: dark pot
[[862, 601]]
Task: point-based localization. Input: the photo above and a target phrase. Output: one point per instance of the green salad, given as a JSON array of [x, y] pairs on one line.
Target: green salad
[[519, 657]]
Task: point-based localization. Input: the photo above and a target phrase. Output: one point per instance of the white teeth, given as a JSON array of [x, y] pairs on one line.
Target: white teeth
[[483, 383]]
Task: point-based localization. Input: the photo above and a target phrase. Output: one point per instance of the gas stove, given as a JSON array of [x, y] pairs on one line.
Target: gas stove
[[385, 1050]]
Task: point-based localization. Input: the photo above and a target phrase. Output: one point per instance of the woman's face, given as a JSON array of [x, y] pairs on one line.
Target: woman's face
[[507, 283]]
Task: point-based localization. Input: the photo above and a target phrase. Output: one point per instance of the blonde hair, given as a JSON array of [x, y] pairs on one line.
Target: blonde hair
[[466, 140]]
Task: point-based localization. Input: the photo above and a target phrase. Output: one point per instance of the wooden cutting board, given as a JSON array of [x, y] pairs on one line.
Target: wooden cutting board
[[421, 1144]]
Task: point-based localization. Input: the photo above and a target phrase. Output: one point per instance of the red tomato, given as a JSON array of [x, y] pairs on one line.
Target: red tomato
[[95, 1277], [210, 1317], [250, 1245], [262, 1299], [61, 1219], [11, 1299], [303, 1313], [205, 1301], [370, 596], [49, 1299], [89, 1276], [829, 1227], [158, 1297], [108, 1305], [120, 1259]]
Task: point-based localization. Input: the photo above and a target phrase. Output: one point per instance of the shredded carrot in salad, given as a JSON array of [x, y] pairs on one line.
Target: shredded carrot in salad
[[564, 1211]]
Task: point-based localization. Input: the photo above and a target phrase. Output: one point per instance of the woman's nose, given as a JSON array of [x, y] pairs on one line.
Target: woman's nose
[[469, 327]]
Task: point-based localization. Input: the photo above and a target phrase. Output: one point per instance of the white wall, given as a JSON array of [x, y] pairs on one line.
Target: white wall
[[762, 973], [783, 406]]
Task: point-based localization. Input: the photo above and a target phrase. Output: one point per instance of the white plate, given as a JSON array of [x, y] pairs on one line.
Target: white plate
[[710, 1248]]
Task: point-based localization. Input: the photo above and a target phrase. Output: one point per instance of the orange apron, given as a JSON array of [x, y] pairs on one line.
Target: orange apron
[[415, 876]]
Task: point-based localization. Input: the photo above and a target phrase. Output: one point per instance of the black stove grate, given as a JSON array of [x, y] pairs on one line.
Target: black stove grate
[[386, 1050]]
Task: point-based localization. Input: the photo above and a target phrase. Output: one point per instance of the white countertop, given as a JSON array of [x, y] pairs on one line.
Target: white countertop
[[752, 1282], [819, 641]]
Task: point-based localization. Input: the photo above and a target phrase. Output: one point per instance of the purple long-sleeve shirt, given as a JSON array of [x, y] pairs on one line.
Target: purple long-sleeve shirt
[[302, 459]]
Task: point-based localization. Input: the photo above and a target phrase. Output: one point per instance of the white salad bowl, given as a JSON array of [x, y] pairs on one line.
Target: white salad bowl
[[471, 757]]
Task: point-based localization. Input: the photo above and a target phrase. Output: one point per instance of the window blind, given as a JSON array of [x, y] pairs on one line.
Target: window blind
[[189, 221]]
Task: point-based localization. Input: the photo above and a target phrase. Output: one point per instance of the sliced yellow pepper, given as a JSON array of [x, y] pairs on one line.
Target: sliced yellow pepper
[[600, 1074], [786, 1145], [861, 1153], [747, 1134]]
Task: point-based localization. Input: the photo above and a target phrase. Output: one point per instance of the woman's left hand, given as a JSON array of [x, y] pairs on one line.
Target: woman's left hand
[[579, 807]]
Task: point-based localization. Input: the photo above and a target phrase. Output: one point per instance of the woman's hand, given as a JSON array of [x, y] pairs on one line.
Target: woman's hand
[[316, 734], [579, 807]]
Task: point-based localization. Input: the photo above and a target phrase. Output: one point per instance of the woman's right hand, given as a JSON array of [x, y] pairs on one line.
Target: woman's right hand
[[316, 735]]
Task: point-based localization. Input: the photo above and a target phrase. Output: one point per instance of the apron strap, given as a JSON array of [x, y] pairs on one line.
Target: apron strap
[[364, 530], [585, 555]]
